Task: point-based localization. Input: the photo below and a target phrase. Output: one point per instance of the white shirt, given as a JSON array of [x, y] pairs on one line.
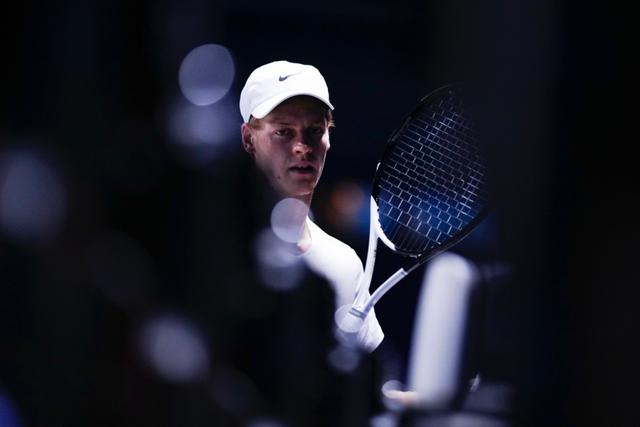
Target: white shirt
[[339, 264]]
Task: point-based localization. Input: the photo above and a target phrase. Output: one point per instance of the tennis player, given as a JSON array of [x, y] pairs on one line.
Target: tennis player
[[287, 117]]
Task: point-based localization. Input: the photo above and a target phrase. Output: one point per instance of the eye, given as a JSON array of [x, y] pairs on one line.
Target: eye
[[283, 132]]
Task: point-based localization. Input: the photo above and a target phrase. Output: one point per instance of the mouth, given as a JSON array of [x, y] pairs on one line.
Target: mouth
[[303, 169]]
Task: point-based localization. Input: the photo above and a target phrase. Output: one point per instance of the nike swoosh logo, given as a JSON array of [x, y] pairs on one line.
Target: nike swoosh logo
[[283, 78]]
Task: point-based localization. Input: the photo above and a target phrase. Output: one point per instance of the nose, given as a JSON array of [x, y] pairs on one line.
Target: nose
[[302, 146]]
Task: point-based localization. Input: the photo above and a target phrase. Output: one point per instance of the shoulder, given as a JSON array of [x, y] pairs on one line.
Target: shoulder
[[321, 240], [339, 263], [334, 260]]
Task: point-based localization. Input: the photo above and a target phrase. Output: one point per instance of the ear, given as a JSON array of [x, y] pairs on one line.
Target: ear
[[247, 139]]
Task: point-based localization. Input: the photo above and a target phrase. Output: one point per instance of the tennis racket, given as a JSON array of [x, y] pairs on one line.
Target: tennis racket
[[429, 191]]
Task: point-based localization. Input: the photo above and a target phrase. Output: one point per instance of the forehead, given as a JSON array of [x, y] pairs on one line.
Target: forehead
[[299, 107]]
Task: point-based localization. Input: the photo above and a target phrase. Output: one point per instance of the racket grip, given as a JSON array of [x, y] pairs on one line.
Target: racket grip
[[350, 320]]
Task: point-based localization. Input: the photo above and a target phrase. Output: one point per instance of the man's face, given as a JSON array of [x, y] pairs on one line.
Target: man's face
[[290, 144]]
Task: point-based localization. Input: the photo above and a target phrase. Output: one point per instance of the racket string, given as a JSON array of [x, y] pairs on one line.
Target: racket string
[[431, 181]]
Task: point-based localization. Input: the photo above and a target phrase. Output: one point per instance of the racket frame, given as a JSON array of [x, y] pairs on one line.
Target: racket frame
[[363, 303]]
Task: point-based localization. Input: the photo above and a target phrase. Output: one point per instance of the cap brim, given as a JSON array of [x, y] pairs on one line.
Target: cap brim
[[267, 106]]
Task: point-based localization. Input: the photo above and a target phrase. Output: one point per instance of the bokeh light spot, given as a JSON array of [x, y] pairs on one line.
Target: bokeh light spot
[[344, 359], [278, 268], [265, 422], [287, 219], [346, 201], [206, 74], [203, 134], [174, 349], [9, 414], [33, 199]]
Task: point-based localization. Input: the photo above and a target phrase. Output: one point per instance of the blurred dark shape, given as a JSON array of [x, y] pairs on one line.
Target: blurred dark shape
[[88, 79], [120, 268], [279, 340]]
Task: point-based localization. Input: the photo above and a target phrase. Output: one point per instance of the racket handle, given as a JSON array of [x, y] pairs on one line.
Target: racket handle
[[349, 320]]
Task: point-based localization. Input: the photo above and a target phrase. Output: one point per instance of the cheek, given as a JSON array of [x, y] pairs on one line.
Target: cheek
[[324, 147], [270, 159]]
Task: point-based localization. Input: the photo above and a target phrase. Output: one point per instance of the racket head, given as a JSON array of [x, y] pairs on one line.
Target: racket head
[[430, 186]]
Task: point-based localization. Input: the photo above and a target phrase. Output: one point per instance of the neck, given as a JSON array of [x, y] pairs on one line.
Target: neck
[[305, 198], [304, 243]]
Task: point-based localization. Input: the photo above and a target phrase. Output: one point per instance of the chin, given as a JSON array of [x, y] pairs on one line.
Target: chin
[[300, 188], [299, 191]]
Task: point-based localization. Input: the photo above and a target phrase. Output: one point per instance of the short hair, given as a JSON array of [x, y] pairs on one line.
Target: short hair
[[254, 122]]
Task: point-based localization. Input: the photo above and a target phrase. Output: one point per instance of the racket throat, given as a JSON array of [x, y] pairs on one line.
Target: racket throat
[[362, 288], [361, 308], [384, 287]]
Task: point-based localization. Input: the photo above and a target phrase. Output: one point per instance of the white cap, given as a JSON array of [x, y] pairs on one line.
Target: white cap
[[272, 83]]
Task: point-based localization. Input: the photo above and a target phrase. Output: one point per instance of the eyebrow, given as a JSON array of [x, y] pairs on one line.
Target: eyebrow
[[285, 123]]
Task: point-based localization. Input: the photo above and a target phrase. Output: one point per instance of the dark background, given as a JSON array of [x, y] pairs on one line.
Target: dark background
[[87, 85]]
